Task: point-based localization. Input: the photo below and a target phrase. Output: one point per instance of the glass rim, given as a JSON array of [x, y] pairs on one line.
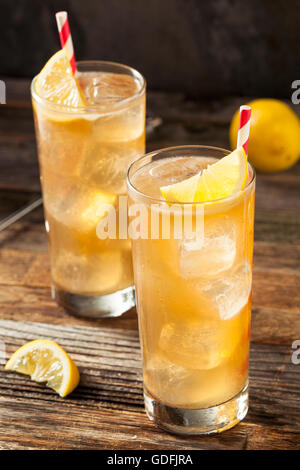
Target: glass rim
[[99, 108], [184, 147]]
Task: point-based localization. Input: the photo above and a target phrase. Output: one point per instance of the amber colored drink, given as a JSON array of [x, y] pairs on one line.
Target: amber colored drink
[[193, 297], [83, 160]]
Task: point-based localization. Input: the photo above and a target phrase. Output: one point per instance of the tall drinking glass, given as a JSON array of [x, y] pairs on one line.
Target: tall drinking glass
[[83, 155], [193, 292]]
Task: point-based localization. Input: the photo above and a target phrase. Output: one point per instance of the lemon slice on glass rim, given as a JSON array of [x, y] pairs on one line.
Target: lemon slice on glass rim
[[46, 361], [219, 180], [57, 84]]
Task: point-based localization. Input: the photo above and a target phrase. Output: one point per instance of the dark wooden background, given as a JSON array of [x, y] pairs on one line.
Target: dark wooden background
[[203, 48]]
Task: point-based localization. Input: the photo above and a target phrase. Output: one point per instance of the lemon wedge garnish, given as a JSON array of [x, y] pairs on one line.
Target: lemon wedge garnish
[[57, 84], [46, 361], [219, 180], [184, 191]]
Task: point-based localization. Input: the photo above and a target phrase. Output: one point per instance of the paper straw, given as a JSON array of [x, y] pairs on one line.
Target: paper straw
[[244, 128], [66, 38]]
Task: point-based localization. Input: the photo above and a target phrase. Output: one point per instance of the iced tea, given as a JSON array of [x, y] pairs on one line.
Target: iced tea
[[83, 156], [193, 297]]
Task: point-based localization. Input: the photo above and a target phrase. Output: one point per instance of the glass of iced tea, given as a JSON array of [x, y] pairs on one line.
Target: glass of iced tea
[[193, 292], [84, 151]]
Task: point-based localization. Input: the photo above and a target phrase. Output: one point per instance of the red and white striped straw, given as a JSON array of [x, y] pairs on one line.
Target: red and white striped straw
[[244, 128], [66, 38]]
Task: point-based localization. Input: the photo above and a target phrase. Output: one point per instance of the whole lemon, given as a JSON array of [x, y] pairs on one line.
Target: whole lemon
[[274, 141]]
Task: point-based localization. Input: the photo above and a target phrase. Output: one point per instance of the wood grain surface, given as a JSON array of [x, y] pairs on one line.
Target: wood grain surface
[[106, 410]]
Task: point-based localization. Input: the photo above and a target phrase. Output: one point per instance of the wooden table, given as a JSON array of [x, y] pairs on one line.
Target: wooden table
[[106, 411]]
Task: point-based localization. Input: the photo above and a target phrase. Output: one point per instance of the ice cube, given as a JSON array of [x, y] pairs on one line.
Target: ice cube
[[231, 292], [79, 208], [161, 368], [90, 214], [103, 88], [109, 167], [186, 388], [170, 382], [210, 255], [197, 345]]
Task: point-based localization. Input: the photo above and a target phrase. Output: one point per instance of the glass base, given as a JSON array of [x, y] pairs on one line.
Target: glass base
[[105, 306], [204, 421]]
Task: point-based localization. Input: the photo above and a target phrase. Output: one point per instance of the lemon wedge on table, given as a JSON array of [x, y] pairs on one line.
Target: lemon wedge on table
[[46, 361], [57, 84], [219, 180]]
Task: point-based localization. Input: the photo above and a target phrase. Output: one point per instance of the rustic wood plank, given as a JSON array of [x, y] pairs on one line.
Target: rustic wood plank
[[279, 291], [273, 377], [283, 227], [24, 268], [15, 264], [274, 326], [26, 234], [269, 325], [109, 398], [274, 439], [34, 426], [35, 304], [25, 277], [272, 225], [276, 257], [29, 232]]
